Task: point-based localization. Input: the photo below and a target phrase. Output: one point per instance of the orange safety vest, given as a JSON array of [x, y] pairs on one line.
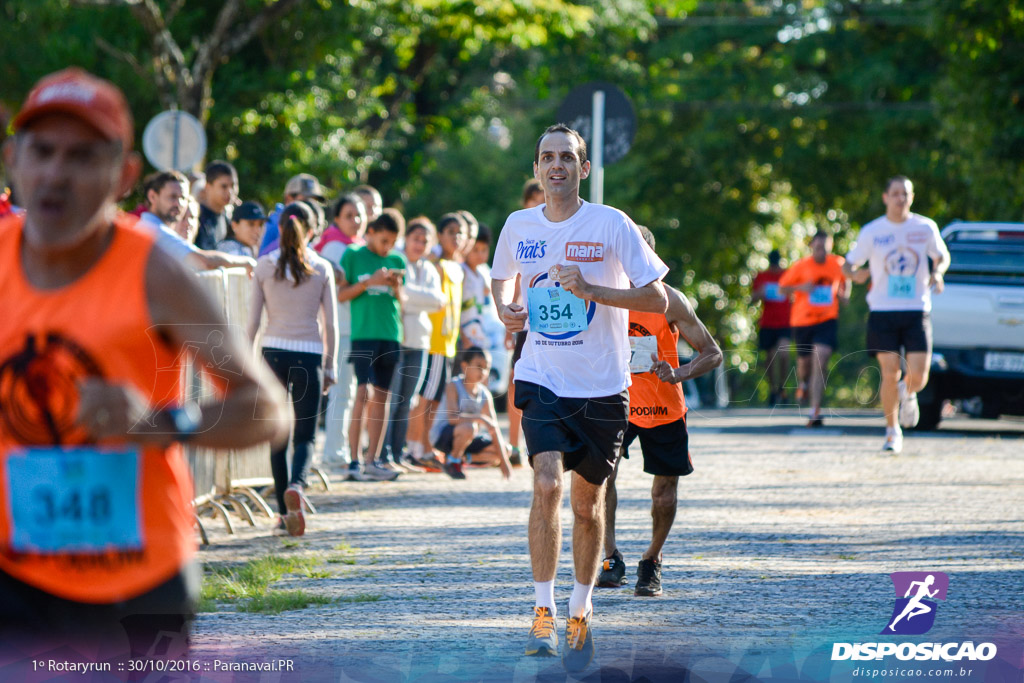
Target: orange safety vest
[[652, 402], [97, 326]]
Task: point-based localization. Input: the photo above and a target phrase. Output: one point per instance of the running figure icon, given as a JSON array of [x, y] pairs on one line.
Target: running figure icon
[[915, 607]]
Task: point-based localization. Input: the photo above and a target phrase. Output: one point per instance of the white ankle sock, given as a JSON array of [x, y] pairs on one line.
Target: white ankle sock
[[416, 449], [544, 594], [579, 601]]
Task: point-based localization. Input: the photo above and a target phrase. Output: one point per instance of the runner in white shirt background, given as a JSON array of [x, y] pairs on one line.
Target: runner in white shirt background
[[906, 259], [576, 261]]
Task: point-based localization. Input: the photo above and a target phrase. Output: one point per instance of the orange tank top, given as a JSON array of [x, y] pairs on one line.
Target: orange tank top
[[651, 401], [97, 326]]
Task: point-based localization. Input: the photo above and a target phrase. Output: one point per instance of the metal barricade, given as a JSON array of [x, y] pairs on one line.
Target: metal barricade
[[226, 479]]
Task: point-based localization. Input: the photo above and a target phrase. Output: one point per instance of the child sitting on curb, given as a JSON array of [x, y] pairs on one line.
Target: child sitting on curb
[[466, 410]]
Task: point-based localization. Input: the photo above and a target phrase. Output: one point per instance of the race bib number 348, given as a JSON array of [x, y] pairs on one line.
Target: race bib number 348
[[77, 500]]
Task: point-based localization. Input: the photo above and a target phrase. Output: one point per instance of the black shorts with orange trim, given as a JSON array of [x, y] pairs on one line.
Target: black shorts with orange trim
[[666, 448]]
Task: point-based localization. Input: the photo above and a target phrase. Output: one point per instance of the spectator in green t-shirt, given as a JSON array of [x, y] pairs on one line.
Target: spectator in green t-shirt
[[371, 278]]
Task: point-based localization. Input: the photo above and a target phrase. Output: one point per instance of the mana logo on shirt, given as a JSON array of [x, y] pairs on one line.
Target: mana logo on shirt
[[584, 252], [529, 251], [883, 240]]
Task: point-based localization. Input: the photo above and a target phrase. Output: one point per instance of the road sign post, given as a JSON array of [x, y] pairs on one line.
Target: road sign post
[[174, 141], [604, 116]]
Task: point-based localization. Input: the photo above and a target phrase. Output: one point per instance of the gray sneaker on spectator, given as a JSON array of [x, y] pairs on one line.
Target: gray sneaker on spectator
[[372, 472]]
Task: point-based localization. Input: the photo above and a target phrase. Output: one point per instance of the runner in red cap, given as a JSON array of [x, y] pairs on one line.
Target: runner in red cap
[[96, 536]]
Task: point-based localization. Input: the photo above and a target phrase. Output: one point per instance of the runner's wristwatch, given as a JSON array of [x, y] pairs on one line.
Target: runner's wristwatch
[[186, 420]]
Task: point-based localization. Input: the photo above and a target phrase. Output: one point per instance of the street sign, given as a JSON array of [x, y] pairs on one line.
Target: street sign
[[174, 141], [619, 118]]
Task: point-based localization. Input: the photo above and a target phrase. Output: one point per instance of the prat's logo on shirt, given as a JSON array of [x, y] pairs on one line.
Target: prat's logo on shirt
[[529, 251], [917, 237], [584, 252]]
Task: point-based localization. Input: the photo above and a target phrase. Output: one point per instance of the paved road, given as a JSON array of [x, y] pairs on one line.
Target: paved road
[[784, 540]]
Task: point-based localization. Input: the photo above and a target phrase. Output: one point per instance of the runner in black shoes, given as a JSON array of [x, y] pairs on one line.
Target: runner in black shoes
[[657, 416]]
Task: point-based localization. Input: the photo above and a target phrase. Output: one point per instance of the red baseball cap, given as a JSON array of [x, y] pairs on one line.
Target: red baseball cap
[[78, 93]]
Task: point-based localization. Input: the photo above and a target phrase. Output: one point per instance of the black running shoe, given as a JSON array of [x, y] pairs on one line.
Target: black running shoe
[[613, 572], [453, 468], [648, 578]]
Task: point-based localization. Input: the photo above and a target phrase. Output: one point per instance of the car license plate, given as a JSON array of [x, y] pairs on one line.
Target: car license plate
[[1004, 362]]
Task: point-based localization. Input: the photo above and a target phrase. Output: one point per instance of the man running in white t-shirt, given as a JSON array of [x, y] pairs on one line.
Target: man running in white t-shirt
[[905, 258], [576, 261]]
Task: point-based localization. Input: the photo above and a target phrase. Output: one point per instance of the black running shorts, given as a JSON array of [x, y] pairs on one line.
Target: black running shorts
[[159, 618], [910, 331], [445, 441], [824, 333], [374, 361], [769, 337], [439, 370], [666, 448], [588, 432]]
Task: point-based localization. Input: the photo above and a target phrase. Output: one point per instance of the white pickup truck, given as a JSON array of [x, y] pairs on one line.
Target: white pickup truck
[[978, 324]]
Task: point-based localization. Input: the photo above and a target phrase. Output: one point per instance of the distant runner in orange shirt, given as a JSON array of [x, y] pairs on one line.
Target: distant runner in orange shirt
[[657, 416], [817, 285], [96, 530]]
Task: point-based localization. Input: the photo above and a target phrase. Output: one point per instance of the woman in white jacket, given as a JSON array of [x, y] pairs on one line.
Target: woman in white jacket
[[422, 295]]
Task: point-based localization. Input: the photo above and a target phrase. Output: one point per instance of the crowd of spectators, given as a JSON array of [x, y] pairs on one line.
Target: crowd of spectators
[[381, 328]]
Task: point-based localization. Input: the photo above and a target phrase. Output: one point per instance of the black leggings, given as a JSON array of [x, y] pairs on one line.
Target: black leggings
[[301, 374]]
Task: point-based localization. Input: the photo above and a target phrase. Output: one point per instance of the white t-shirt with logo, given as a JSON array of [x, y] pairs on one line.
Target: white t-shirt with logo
[[608, 248], [897, 255]]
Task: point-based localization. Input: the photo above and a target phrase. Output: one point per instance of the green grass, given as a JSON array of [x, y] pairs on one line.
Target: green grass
[[275, 602], [248, 585], [343, 554], [317, 574]]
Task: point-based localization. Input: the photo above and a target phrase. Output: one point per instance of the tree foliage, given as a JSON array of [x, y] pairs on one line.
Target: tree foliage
[[759, 121]]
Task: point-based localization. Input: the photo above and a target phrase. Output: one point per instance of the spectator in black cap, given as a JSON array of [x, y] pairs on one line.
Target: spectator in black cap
[[300, 187], [167, 199], [246, 230]]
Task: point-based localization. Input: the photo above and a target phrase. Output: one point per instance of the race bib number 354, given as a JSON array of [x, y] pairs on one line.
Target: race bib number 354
[[554, 310], [79, 500]]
